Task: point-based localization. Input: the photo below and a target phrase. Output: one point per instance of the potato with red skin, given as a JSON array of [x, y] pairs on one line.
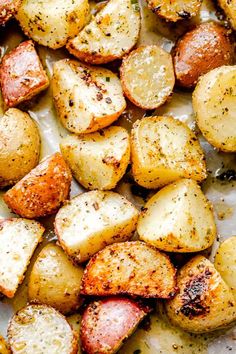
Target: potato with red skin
[[42, 191], [200, 50], [7, 9]]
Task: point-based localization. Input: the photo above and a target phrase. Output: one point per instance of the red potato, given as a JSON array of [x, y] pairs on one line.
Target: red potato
[[7, 9], [107, 323], [42, 191], [22, 75]]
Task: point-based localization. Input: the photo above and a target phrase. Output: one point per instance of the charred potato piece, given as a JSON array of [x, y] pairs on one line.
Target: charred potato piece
[[8, 8], [3, 346], [229, 9], [42, 191]]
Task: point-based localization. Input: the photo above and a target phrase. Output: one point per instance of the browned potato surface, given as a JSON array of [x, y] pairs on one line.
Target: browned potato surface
[[3, 346], [229, 7], [8, 9]]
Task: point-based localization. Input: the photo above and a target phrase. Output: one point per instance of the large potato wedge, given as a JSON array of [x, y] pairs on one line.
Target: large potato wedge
[[52, 22], [98, 160], [7, 9], [132, 268], [147, 76], [178, 218], [86, 98], [200, 50], [204, 302], [106, 324], [3, 346], [112, 33], [54, 280], [229, 7], [214, 100], [18, 240], [42, 191], [19, 146], [92, 220], [41, 329], [163, 150]]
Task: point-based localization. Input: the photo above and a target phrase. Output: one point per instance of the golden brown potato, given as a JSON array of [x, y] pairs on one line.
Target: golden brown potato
[[230, 10], [55, 281], [42, 191], [3, 346], [19, 146], [200, 50], [204, 302], [7, 9]]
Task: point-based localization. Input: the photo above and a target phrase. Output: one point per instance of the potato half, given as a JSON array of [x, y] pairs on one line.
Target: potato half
[[178, 218], [86, 98], [229, 9], [163, 150], [214, 105]]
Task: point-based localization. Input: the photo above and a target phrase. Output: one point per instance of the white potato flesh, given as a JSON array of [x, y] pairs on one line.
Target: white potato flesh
[[163, 150], [52, 22], [229, 8], [93, 220], [147, 76], [178, 218], [98, 160], [86, 98], [214, 102], [111, 34]]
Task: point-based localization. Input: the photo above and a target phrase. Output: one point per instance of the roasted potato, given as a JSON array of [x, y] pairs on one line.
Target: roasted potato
[[19, 146], [200, 50], [225, 262], [7, 9], [112, 33], [229, 9], [178, 218], [54, 280], [41, 329], [204, 302], [86, 98], [214, 106], [147, 76], [42, 191], [98, 160], [107, 323], [92, 220], [22, 75], [52, 22], [163, 150], [18, 240], [3, 346], [133, 268]]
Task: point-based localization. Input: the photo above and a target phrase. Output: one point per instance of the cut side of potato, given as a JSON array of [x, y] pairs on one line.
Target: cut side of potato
[[106, 324], [204, 302], [98, 160], [52, 22], [86, 98], [229, 9], [3, 346], [214, 101], [163, 150], [18, 240], [92, 220], [55, 281], [112, 33], [41, 329], [147, 76], [7, 9], [178, 218], [133, 268]]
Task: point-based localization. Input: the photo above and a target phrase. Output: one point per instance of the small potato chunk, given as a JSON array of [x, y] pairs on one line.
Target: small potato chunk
[[163, 150], [204, 302], [98, 160], [225, 262], [178, 218], [204, 48], [147, 76], [7, 9], [112, 33], [41, 329], [52, 22], [3, 346], [55, 281], [22, 75], [133, 268], [19, 146], [42, 191], [214, 101], [175, 10], [18, 240], [86, 98], [106, 324], [92, 220], [229, 7]]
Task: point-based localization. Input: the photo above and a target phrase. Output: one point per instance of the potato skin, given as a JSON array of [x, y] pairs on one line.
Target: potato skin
[[200, 50], [42, 191], [7, 9]]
